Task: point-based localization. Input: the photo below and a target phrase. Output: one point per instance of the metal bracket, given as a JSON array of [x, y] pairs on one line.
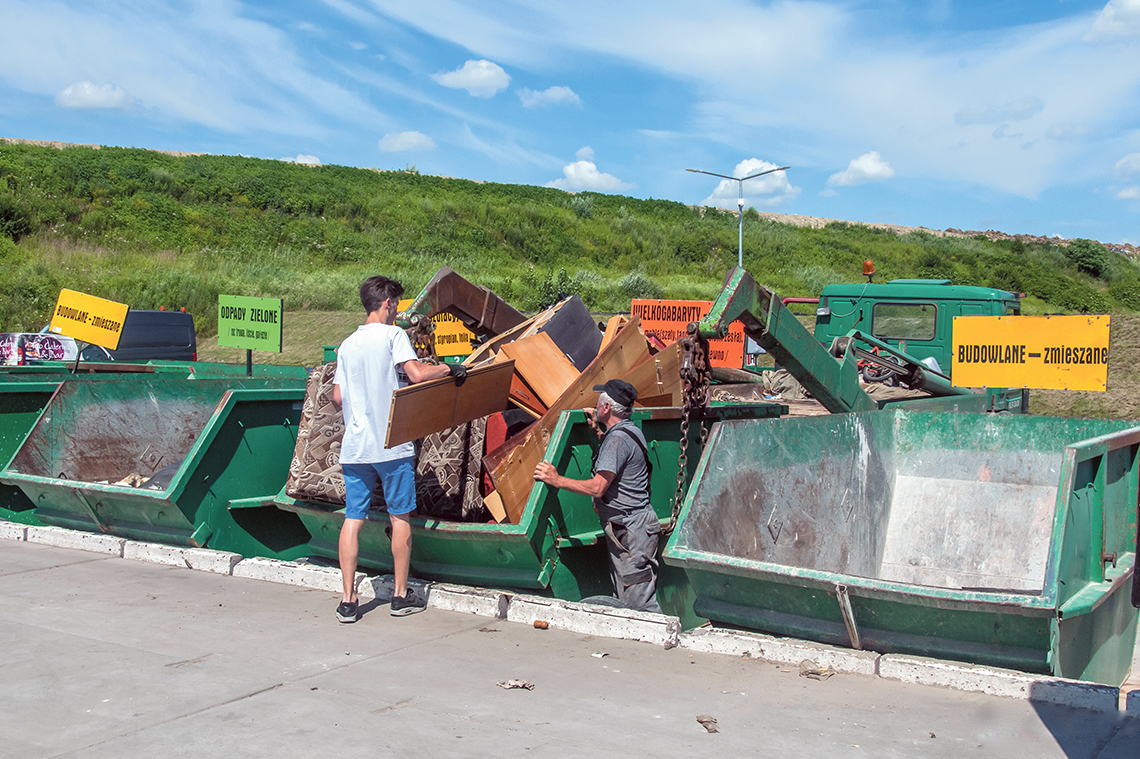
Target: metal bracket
[[848, 616]]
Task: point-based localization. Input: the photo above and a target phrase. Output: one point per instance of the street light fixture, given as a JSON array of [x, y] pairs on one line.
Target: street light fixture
[[740, 201]]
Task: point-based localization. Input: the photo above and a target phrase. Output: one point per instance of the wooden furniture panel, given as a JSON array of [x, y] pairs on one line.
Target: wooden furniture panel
[[543, 366], [436, 405]]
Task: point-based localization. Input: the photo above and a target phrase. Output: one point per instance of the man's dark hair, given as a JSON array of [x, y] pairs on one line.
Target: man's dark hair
[[375, 290]]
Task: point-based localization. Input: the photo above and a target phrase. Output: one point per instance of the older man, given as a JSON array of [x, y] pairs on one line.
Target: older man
[[620, 489]]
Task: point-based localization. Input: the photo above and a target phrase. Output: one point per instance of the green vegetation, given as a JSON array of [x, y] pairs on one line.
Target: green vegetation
[[157, 230]]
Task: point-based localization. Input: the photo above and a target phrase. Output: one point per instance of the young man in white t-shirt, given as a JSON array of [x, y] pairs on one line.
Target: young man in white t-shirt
[[372, 363]]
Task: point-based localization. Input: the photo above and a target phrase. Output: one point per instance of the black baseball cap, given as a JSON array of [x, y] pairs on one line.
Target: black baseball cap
[[619, 390]]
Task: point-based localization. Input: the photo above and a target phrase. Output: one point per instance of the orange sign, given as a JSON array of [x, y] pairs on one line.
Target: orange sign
[[669, 321]]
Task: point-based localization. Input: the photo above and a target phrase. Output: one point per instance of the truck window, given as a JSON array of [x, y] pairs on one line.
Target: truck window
[[904, 321]]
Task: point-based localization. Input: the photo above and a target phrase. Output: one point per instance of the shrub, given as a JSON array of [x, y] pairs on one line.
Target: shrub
[[1088, 256]]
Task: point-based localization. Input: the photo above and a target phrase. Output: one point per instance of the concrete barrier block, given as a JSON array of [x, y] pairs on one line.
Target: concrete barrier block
[[783, 651], [13, 531], [203, 559], [83, 541], [290, 573], [381, 587], [999, 682], [478, 601], [602, 621]]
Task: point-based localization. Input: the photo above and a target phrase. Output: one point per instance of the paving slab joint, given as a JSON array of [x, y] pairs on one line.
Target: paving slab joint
[[75, 539], [782, 651], [13, 531], [591, 619], [994, 681]]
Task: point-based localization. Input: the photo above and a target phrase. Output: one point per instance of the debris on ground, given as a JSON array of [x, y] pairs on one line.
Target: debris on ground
[[512, 684], [708, 723], [809, 668]]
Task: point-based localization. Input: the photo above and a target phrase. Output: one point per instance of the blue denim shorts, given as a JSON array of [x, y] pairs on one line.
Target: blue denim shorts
[[398, 478]]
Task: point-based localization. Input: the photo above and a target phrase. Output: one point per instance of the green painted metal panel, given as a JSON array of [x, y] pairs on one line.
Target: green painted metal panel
[[227, 439], [974, 536]]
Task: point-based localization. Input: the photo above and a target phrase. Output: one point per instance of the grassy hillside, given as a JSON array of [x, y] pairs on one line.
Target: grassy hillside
[[152, 229]]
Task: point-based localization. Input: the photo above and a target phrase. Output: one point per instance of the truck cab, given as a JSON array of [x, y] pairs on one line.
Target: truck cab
[[914, 315]]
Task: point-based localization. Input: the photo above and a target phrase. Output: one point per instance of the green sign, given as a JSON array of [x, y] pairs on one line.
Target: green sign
[[250, 323]]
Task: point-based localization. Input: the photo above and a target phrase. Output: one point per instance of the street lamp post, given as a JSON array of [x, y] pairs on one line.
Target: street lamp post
[[739, 202]]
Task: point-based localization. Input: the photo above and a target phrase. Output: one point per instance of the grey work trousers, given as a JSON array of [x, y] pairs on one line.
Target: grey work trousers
[[632, 544]]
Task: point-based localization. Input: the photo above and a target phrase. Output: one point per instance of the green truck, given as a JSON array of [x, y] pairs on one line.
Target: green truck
[[916, 316]]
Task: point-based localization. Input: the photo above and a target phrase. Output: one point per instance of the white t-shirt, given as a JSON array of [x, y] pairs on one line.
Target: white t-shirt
[[368, 371]]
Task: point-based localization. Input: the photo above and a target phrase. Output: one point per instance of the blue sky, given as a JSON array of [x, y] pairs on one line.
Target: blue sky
[[1008, 114]]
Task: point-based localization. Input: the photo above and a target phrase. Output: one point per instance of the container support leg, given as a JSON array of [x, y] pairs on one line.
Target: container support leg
[[848, 616]]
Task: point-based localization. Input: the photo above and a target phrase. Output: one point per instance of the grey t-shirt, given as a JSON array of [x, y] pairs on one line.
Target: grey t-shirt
[[629, 491]]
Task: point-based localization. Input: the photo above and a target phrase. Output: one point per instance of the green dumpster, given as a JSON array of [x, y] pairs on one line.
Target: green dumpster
[[556, 547], [20, 405], [1005, 540], [218, 451]]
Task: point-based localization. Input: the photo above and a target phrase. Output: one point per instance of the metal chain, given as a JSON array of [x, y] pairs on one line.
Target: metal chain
[[695, 377], [422, 334]]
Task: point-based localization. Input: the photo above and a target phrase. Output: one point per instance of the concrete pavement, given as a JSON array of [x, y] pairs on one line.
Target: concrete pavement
[[111, 658]]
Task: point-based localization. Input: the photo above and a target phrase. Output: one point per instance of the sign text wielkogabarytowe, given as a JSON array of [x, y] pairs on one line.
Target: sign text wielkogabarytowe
[[250, 323]]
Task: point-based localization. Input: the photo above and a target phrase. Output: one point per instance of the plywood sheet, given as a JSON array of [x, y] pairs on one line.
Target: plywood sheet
[[512, 464], [615, 323], [660, 375], [543, 366], [436, 405]]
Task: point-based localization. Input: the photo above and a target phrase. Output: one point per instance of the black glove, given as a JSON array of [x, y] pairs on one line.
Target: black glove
[[458, 371]]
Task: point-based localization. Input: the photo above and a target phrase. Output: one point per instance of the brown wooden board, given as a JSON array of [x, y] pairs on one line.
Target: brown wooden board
[[543, 366], [525, 398], [512, 465], [615, 323], [436, 405], [660, 375]]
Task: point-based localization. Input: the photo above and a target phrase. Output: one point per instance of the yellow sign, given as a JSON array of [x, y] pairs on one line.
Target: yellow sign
[[668, 321], [88, 319], [1048, 352], [451, 337]]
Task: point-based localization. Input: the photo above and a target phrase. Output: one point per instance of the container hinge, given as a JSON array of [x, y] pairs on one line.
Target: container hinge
[[848, 616]]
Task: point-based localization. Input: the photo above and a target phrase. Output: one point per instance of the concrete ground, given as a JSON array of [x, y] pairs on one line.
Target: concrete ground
[[104, 657]]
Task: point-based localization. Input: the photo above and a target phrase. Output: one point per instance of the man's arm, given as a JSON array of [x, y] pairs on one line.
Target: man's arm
[[593, 487], [418, 371]]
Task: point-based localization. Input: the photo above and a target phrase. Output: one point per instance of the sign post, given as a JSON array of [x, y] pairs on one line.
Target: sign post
[[250, 323], [1047, 352], [88, 319]]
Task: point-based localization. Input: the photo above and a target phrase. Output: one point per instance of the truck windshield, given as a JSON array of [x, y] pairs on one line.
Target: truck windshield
[[904, 321]]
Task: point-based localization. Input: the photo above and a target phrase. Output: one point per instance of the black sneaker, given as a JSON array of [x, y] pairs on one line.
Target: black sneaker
[[347, 611], [410, 603]]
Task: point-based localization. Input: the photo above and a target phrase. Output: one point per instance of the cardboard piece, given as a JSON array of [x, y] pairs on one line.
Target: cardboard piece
[[437, 405], [512, 464], [494, 504], [543, 366]]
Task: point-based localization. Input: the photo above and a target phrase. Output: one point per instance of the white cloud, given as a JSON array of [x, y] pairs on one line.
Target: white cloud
[[357, 45], [768, 190], [482, 79], [1129, 193], [308, 160], [89, 95], [1128, 166], [584, 175], [1120, 18], [585, 153], [869, 167], [556, 95], [398, 142], [1068, 130], [1014, 110]]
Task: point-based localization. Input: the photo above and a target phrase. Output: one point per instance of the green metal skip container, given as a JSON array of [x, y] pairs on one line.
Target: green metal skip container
[[218, 451], [26, 390], [1004, 540], [557, 548]]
